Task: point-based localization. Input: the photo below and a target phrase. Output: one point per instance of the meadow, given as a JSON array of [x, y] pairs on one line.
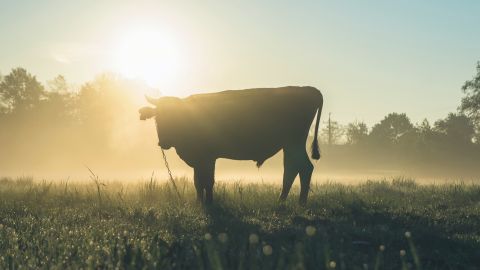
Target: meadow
[[378, 224]]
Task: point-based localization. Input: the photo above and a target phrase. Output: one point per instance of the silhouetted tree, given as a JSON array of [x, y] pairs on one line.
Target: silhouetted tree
[[20, 91], [3, 107], [426, 135], [424, 127], [332, 132], [356, 132], [60, 100], [457, 127], [425, 139], [391, 129], [471, 101]]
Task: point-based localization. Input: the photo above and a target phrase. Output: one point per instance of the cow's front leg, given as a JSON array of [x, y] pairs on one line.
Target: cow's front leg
[[204, 178], [198, 184]]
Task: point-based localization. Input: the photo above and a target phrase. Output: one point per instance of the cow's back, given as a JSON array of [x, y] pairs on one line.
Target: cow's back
[[251, 123]]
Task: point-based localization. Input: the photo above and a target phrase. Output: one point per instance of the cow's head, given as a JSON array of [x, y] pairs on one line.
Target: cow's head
[[168, 117]]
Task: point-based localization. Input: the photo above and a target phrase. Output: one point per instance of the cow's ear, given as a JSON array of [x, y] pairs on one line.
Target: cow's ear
[[147, 112]]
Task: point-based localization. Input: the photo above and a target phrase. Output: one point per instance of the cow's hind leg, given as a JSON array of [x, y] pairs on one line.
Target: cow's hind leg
[[296, 161], [305, 171], [204, 179], [290, 171]]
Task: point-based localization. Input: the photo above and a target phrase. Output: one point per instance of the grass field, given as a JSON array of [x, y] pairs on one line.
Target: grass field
[[394, 224]]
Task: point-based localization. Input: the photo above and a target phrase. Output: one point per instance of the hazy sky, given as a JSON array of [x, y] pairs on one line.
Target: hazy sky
[[368, 57]]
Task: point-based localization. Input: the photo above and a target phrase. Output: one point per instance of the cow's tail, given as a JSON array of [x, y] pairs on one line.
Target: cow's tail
[[315, 147]]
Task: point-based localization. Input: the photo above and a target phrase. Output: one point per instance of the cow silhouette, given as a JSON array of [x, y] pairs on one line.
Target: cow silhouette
[[250, 124]]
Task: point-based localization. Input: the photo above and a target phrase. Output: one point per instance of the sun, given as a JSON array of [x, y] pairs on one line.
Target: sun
[[147, 55]]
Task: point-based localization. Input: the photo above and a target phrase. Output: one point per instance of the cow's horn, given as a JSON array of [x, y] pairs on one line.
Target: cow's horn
[[151, 100]]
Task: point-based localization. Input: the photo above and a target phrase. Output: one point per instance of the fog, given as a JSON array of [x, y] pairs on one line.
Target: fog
[[58, 131]]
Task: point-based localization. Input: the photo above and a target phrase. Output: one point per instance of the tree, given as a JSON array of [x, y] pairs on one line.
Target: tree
[[426, 134], [104, 98], [102, 105], [471, 101], [3, 106], [356, 132], [424, 127], [392, 128], [58, 85], [20, 91], [332, 133], [457, 127], [59, 103]]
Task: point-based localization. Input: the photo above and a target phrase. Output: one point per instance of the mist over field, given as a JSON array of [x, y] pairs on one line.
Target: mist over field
[[58, 131], [391, 76]]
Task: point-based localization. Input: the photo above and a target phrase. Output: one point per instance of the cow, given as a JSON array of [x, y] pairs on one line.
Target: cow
[[249, 124]]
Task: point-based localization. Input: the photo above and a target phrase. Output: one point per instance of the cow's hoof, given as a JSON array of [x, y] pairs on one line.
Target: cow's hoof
[[302, 203], [282, 206]]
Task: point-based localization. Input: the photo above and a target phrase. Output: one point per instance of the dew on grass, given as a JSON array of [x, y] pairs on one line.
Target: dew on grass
[[310, 230], [253, 238], [267, 250], [222, 237]]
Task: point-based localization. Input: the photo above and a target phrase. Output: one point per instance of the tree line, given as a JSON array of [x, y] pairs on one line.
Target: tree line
[[451, 143], [60, 119]]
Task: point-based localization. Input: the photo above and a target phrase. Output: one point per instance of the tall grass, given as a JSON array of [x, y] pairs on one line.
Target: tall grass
[[388, 224]]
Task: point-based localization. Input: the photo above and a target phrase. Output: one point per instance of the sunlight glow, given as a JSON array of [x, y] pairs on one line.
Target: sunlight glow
[[147, 55]]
